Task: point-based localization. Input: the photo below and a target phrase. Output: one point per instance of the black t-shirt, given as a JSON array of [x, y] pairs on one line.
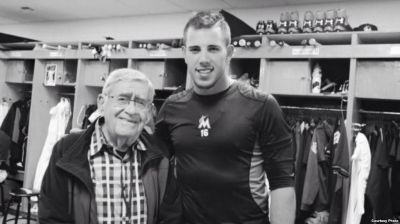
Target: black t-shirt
[[223, 143]]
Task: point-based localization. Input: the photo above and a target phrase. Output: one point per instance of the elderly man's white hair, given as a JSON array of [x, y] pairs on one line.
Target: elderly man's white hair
[[127, 75]]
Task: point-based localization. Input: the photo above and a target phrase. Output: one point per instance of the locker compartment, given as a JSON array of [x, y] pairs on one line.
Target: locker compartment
[[246, 70], [288, 77], [60, 72], [96, 72], [378, 79], [164, 74], [296, 76], [19, 71]]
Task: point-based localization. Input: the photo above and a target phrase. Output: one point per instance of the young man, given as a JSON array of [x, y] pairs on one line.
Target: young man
[[225, 137], [114, 171]]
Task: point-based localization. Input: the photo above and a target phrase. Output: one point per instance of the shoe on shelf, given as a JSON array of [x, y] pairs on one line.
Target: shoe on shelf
[[329, 20], [319, 22], [294, 23], [341, 23], [283, 23], [270, 27], [308, 22], [260, 28]]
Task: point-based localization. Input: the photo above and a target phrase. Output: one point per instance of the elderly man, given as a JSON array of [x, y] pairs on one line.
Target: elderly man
[[114, 171]]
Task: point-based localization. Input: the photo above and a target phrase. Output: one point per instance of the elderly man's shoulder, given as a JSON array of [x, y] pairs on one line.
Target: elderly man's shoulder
[[68, 140]]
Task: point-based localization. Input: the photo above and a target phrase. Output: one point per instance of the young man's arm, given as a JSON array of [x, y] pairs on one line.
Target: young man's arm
[[276, 145], [162, 131], [283, 205]]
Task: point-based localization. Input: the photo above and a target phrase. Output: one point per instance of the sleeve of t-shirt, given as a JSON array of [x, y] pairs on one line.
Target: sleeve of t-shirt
[[162, 131], [276, 145]]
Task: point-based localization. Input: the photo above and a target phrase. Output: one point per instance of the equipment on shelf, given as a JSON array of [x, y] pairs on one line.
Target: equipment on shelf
[[247, 79], [330, 16], [308, 22], [310, 42], [280, 43], [333, 20], [328, 87], [341, 21], [261, 27], [366, 27], [247, 42], [162, 45], [271, 27], [319, 22], [316, 79], [102, 52], [283, 24], [294, 23]]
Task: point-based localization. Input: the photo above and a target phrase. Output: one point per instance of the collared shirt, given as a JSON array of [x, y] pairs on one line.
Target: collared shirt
[[119, 190]]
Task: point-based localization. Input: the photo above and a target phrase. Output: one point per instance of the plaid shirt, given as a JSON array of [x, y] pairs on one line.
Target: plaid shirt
[[119, 190]]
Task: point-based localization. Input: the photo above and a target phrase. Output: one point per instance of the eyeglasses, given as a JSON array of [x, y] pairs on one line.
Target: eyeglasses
[[123, 101]]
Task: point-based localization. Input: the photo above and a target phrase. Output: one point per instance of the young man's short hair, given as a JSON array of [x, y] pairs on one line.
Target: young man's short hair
[[204, 20]]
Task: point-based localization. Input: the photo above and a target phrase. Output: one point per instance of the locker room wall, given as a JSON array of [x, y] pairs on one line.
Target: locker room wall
[[386, 17]]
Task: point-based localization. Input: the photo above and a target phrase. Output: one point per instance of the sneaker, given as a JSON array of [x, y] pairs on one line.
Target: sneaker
[[270, 27], [329, 20], [294, 26], [284, 23], [308, 22], [341, 23], [319, 22], [260, 28]]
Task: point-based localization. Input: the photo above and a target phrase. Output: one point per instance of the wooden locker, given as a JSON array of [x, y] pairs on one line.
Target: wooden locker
[[289, 77], [19, 71], [378, 79], [96, 72], [155, 70]]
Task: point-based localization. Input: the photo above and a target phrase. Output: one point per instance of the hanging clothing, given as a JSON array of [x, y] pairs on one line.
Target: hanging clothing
[[395, 174], [361, 165], [340, 174], [5, 142], [4, 107], [378, 190], [304, 142], [60, 115], [15, 125], [315, 192], [88, 111]]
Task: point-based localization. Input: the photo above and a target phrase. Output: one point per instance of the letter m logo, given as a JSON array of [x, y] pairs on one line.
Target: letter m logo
[[204, 122]]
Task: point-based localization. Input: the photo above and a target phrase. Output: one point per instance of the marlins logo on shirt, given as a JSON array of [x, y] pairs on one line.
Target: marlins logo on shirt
[[204, 125]]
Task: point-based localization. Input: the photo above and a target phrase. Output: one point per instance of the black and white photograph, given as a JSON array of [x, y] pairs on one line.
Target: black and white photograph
[[199, 111]]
